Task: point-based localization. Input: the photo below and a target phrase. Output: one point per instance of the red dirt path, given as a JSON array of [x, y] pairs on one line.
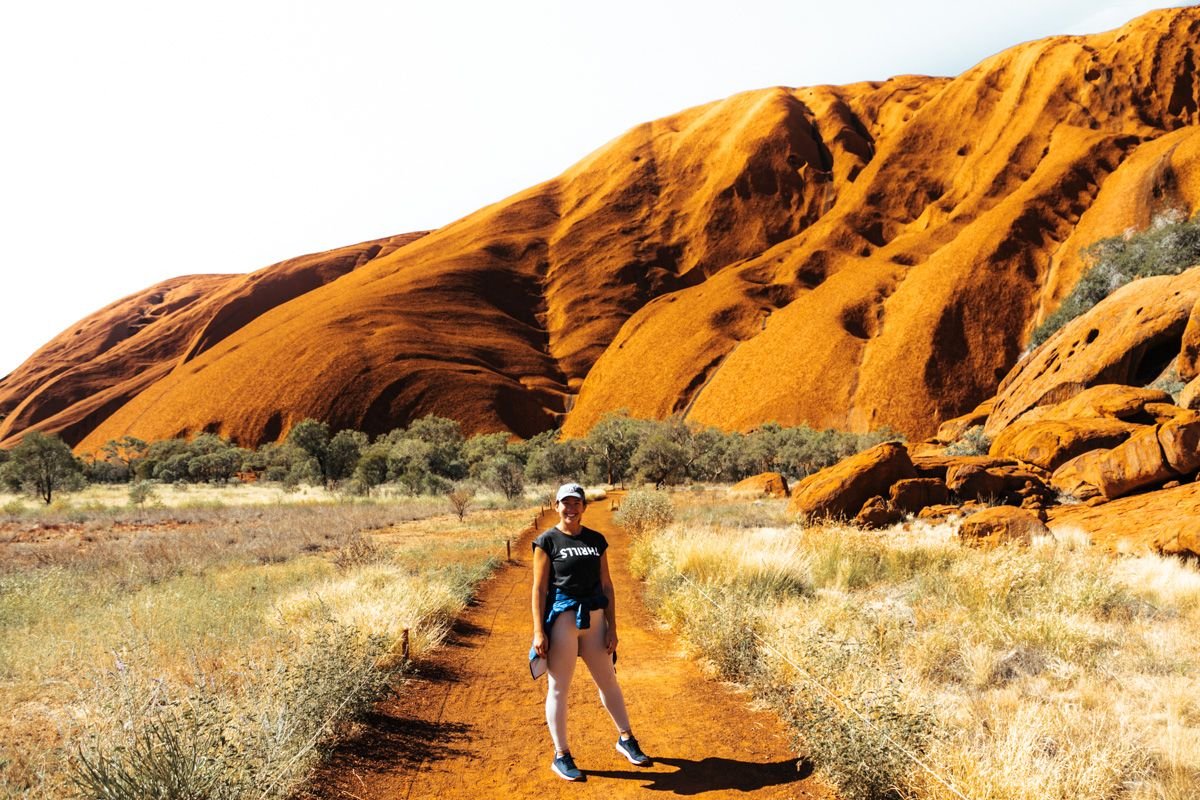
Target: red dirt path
[[471, 723]]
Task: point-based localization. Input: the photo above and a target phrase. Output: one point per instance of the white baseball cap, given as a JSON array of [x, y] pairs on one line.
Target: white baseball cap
[[570, 490]]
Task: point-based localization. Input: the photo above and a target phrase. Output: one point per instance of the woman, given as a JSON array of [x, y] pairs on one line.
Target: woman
[[574, 615]]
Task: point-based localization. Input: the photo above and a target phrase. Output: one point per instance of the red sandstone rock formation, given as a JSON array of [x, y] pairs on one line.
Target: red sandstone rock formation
[[853, 256]]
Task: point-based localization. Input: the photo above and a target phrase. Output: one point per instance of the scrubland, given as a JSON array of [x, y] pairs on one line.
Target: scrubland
[[1053, 671], [214, 645]]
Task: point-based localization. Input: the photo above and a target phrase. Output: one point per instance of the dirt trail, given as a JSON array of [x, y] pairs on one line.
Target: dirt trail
[[472, 725]]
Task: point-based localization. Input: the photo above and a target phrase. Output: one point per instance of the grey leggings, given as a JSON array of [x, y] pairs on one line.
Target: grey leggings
[[566, 644]]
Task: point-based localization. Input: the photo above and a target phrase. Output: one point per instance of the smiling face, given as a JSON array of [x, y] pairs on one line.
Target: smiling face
[[570, 514]]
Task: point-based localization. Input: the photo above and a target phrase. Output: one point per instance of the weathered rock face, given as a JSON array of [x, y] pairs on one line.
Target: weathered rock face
[[914, 494], [877, 513], [1000, 525], [1051, 443], [1180, 443], [850, 257], [1133, 465], [1128, 338], [1008, 484], [766, 484], [952, 429], [840, 491], [1166, 521]]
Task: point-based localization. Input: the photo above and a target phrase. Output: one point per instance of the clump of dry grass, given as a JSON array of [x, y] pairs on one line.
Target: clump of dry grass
[[1054, 671], [182, 644]]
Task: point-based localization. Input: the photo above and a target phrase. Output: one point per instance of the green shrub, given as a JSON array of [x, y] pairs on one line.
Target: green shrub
[[1169, 246], [973, 442]]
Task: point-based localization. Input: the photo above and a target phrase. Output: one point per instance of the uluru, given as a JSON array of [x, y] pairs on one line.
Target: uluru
[[858, 257]]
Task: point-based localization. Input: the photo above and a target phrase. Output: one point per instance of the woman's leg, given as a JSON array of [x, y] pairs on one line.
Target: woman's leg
[[599, 663], [564, 649]]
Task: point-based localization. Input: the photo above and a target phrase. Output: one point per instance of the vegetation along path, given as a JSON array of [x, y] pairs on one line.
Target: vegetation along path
[[471, 723]]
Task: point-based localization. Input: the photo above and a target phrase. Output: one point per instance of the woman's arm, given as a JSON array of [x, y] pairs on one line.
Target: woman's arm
[[610, 612], [541, 583]]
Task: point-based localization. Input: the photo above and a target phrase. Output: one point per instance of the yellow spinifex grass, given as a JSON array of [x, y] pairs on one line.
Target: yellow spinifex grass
[[241, 633], [1051, 672]]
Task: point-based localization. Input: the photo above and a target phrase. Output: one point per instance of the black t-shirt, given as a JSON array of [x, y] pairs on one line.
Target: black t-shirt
[[574, 560]]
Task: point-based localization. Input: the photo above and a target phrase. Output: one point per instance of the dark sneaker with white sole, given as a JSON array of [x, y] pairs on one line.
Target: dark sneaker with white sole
[[564, 767], [629, 748]]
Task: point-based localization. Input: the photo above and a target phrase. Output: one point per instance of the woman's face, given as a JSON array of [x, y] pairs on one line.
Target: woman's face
[[570, 510]]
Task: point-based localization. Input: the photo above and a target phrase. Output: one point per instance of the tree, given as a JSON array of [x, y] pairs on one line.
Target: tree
[[126, 452], [372, 468], [611, 444], [345, 448], [312, 436], [661, 458], [504, 473], [44, 465]]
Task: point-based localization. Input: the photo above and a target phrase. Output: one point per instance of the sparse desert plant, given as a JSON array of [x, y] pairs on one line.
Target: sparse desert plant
[[1170, 245], [140, 493], [645, 511], [973, 442], [461, 496]]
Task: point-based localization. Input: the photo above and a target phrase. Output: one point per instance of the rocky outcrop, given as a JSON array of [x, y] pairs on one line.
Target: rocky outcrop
[[1051, 443], [854, 257], [766, 484], [1165, 521], [841, 491], [1128, 338], [1001, 525]]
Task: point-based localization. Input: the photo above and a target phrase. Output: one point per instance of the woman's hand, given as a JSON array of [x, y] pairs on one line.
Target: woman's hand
[[610, 640], [539, 643]]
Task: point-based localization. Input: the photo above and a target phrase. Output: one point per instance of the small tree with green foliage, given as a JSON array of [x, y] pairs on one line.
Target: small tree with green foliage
[[43, 464], [372, 467], [345, 448], [312, 436]]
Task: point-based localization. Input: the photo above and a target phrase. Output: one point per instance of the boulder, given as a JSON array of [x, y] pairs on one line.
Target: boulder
[[1121, 340], [1180, 442], [1165, 412], [935, 464], [840, 491], [1001, 524], [1189, 398], [1136, 464], [1188, 363], [1109, 400], [1165, 521], [1049, 443], [1006, 483], [878, 513], [1077, 477], [913, 494], [765, 484], [938, 511], [952, 429]]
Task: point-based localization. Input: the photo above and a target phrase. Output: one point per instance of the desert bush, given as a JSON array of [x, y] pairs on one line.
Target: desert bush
[[645, 511], [973, 442], [202, 739], [461, 496], [1170, 245]]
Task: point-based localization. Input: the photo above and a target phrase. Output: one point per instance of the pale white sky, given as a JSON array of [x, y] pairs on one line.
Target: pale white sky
[[145, 140]]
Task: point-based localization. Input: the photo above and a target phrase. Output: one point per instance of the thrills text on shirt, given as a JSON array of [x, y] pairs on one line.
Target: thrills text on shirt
[[576, 552]]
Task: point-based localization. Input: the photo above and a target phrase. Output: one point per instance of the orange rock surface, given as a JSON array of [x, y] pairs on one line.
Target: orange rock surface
[[852, 257], [765, 484]]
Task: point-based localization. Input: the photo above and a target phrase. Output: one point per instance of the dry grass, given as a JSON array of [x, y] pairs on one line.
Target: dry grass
[[1054, 671], [234, 632]]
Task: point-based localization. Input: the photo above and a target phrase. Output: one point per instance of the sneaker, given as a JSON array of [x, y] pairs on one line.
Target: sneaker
[[629, 748], [564, 767]]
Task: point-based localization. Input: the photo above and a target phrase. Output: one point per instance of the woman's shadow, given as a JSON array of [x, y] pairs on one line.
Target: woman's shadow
[[714, 774]]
